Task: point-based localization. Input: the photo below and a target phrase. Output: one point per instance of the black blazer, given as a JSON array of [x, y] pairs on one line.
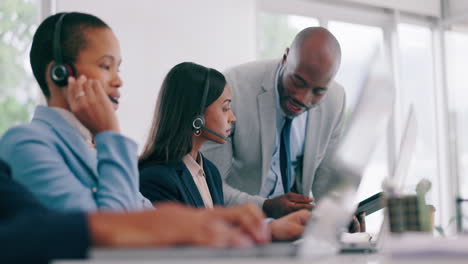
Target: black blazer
[[175, 183], [30, 233]]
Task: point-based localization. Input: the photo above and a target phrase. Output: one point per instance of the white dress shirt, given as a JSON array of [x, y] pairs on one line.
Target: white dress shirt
[[273, 184]]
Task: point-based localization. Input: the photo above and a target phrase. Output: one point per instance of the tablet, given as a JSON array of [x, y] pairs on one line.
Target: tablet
[[371, 204]]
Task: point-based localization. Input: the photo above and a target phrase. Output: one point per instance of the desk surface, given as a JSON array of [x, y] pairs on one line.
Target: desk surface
[[339, 259], [412, 248]]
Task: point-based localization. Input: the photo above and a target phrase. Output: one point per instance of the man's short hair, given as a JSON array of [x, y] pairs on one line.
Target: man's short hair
[[72, 41]]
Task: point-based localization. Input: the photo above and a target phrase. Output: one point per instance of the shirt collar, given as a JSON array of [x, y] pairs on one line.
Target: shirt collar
[[195, 167], [75, 123]]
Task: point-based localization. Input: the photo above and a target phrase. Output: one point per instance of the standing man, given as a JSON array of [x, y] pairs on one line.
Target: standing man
[[290, 117]]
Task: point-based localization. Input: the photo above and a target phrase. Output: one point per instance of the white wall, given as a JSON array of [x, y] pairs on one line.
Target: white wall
[[156, 35], [422, 7], [457, 8], [327, 10]]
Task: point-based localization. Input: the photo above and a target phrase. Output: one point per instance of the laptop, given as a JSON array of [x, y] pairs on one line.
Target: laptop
[[332, 213], [400, 171], [369, 122]]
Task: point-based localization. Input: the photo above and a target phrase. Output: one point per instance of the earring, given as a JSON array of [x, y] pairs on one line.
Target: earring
[[197, 132]]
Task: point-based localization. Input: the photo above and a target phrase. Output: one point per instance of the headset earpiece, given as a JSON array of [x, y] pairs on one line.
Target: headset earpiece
[[198, 122], [60, 71]]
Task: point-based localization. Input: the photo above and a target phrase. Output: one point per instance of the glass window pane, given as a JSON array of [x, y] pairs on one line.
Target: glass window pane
[[277, 31], [355, 61], [457, 78], [356, 55], [417, 88], [18, 91]]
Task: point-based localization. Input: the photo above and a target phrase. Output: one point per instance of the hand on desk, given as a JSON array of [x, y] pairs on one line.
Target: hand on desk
[[358, 224], [289, 227], [248, 218], [173, 224], [287, 203]]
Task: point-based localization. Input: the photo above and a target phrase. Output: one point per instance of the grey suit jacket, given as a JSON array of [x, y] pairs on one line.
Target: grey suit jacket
[[244, 161]]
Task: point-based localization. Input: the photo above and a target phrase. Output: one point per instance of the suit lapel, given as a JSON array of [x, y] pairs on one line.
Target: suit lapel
[[189, 185], [312, 144], [267, 114], [214, 192], [69, 136]]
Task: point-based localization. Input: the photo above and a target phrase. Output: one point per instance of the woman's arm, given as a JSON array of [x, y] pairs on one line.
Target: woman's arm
[[158, 185], [43, 167]]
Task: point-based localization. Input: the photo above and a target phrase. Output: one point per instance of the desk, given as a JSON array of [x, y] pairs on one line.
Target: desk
[[408, 248], [339, 259]]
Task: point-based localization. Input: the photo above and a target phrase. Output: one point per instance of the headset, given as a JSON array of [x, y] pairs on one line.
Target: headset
[[198, 122], [60, 71]]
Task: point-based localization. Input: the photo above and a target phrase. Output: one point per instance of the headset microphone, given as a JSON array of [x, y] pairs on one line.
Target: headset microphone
[[214, 133], [198, 122]]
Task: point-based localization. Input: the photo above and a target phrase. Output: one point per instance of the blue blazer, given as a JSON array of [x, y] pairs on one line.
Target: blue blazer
[[30, 233], [175, 183], [50, 158]]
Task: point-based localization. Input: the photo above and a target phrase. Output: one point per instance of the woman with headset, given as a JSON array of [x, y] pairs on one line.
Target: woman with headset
[[72, 156], [193, 107]]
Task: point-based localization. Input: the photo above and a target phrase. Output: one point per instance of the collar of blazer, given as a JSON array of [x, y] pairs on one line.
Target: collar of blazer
[[266, 110], [69, 136], [189, 184], [192, 188], [216, 194]]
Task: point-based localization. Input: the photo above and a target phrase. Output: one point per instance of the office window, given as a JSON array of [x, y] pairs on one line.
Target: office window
[[18, 92], [275, 32], [417, 88], [359, 44], [457, 78]]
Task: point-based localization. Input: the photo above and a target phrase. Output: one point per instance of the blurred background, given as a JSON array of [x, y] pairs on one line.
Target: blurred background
[[425, 43]]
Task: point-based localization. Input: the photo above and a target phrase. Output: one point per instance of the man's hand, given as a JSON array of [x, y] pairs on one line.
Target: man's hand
[[287, 203], [289, 227], [358, 224], [169, 225]]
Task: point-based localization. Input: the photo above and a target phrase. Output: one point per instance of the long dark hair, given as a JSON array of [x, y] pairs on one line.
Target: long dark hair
[[179, 100]]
